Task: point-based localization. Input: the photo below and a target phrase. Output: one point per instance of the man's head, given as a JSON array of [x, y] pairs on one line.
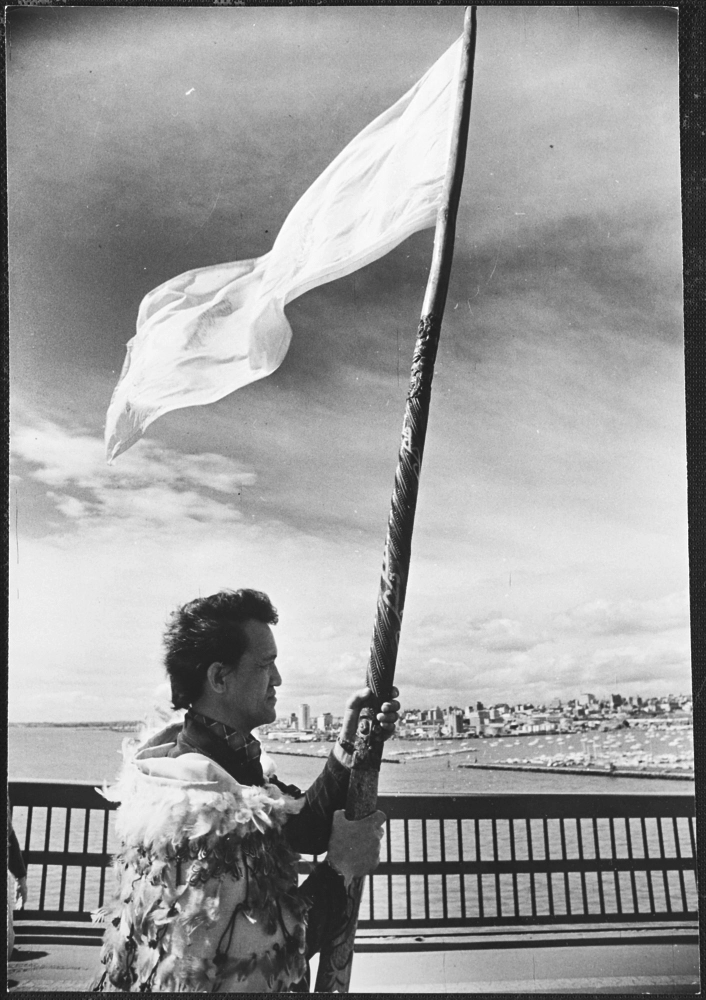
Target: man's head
[[220, 658]]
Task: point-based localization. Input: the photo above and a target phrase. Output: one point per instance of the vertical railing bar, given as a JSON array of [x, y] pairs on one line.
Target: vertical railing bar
[[579, 839], [47, 834], [498, 899], [677, 847], [28, 831], [614, 851], [43, 885], [633, 883], [481, 908], [515, 895], [426, 877], [530, 855], [550, 890], [662, 854], [442, 847], [648, 873], [371, 896], [462, 886], [408, 879], [692, 837], [101, 890], [567, 889], [62, 890], [389, 874], [82, 886], [597, 848]]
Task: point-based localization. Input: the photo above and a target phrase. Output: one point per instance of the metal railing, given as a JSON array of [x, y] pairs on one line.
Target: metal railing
[[465, 861], [509, 860]]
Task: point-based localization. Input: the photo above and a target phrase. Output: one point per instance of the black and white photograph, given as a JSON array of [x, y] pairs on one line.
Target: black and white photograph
[[349, 632]]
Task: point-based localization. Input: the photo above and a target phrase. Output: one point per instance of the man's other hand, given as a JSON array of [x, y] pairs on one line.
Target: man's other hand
[[388, 716], [354, 847]]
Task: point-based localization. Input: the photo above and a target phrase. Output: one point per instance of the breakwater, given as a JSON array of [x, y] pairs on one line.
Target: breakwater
[[319, 756], [588, 770]]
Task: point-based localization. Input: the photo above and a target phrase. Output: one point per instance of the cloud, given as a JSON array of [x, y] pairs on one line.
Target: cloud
[[153, 485], [627, 616], [504, 635], [66, 457], [635, 665]]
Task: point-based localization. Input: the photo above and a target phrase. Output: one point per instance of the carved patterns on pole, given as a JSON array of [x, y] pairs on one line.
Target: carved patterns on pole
[[396, 556]]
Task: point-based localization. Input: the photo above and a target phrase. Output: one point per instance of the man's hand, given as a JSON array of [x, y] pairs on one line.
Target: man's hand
[[21, 893], [354, 847], [387, 716]]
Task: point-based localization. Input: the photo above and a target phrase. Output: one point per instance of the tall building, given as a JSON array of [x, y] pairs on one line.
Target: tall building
[[304, 719]]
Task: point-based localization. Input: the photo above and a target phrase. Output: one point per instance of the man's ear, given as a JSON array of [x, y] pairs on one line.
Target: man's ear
[[216, 675]]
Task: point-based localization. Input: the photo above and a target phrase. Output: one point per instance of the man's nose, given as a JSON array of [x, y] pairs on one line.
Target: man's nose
[[276, 678]]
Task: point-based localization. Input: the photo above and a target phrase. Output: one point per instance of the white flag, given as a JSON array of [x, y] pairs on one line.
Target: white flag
[[214, 329]]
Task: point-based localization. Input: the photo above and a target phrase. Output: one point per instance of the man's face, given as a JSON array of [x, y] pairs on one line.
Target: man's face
[[250, 688]]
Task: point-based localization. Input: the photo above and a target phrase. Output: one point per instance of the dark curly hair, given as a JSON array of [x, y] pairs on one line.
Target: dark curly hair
[[210, 630]]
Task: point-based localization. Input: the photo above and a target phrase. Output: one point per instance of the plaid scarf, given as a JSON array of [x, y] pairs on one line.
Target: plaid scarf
[[246, 749]]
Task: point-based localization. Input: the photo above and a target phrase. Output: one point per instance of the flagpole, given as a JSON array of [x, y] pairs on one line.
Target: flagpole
[[335, 963]]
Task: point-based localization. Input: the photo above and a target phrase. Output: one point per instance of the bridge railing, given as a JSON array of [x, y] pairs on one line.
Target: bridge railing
[[463, 861]]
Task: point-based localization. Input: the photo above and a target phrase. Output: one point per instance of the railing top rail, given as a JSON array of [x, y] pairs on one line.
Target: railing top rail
[[58, 794], [85, 795], [535, 806]]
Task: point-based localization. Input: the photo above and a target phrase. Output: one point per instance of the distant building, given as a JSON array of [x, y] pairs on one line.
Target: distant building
[[304, 717], [586, 699], [454, 721], [479, 720], [324, 721]]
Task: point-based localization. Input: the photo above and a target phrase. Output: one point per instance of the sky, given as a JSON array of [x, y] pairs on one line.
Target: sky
[[550, 547]]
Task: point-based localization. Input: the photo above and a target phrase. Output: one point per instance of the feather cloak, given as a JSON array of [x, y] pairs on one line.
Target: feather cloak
[[206, 884]]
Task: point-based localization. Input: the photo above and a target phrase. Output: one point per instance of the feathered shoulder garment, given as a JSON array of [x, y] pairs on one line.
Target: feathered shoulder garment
[[206, 896]]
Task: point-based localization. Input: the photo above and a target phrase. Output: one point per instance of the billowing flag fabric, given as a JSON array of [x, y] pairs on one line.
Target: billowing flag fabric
[[214, 329]]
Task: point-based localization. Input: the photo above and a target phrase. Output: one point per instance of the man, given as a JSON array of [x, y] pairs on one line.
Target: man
[[207, 897]]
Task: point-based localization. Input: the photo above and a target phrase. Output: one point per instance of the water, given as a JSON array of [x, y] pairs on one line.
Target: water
[[84, 754]]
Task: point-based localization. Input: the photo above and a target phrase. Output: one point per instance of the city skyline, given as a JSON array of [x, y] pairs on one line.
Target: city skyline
[[550, 543]]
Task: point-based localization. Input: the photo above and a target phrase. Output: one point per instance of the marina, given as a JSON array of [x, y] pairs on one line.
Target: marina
[[658, 750]]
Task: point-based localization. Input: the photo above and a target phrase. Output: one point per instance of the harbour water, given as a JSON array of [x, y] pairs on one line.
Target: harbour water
[[422, 766]]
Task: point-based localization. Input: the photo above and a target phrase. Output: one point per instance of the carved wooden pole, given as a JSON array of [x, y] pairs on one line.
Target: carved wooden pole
[[336, 959]]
